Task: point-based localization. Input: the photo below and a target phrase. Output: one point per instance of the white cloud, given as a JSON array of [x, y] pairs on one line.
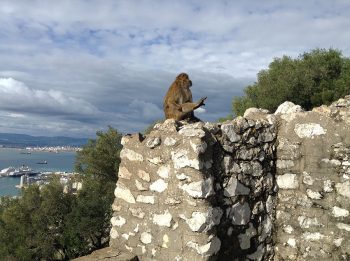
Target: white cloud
[[93, 63]]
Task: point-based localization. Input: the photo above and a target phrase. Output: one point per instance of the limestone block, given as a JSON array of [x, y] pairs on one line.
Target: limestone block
[[203, 221], [153, 142], [164, 171], [288, 107], [190, 131], [143, 175], [343, 188], [124, 173], [343, 226], [130, 155], [124, 193], [309, 130], [199, 189], [170, 141], [163, 219], [181, 160], [239, 213], [287, 181], [211, 248], [145, 199], [118, 221], [313, 194], [229, 131], [146, 238], [339, 212], [234, 188], [159, 186]]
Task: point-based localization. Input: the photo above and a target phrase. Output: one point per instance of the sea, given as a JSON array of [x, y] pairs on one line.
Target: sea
[[56, 162]]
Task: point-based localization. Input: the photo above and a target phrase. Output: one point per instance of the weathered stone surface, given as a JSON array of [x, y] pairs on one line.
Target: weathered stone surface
[[204, 221], [199, 189], [181, 160], [229, 131], [343, 189], [288, 181], [309, 130], [234, 188], [153, 142], [282, 181], [159, 186], [162, 219], [124, 193], [124, 173], [211, 248], [240, 213], [130, 155], [288, 107]]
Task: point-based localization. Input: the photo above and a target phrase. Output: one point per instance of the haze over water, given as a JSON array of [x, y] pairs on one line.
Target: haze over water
[[63, 161]]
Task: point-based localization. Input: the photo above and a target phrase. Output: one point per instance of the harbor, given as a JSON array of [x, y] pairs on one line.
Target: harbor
[[35, 165]]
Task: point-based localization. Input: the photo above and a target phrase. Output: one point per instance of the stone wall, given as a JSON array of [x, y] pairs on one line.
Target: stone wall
[[197, 192], [313, 175], [262, 187]]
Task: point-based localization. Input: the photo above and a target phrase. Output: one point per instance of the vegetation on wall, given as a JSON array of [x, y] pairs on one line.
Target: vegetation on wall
[[310, 80]]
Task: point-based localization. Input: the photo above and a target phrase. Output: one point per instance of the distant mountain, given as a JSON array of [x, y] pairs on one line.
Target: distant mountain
[[22, 140]]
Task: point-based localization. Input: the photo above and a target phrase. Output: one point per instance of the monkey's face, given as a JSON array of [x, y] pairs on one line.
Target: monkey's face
[[183, 80]]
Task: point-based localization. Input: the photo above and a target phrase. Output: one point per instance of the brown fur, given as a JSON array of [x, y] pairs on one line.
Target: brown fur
[[178, 103]]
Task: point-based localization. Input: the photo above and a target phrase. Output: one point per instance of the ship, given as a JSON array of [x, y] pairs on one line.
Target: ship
[[17, 172]]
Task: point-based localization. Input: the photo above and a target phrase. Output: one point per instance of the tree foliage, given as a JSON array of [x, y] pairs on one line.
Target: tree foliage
[[314, 78], [48, 224]]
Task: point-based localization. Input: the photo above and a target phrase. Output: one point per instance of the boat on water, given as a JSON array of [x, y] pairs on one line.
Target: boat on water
[[25, 152], [42, 162], [17, 172]]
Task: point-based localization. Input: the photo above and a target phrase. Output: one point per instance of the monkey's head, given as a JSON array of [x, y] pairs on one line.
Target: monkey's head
[[183, 80]]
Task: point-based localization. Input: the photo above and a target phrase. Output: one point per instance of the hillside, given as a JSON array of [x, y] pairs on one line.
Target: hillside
[[22, 140]]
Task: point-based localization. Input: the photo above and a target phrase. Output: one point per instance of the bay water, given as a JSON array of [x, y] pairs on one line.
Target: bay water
[[56, 162]]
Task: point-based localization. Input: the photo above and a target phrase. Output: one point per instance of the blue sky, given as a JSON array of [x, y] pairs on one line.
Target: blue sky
[[74, 67]]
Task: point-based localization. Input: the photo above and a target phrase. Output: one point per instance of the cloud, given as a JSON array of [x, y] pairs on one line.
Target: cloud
[[16, 96], [78, 66]]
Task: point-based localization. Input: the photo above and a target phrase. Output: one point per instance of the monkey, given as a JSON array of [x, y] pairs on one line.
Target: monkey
[[178, 103]]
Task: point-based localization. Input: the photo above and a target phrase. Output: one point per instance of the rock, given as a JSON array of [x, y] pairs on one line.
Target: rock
[[343, 226], [229, 131], [328, 186], [137, 212], [189, 131], [159, 186], [145, 199], [146, 238], [170, 141], [164, 171], [199, 189], [251, 112], [307, 179], [204, 221], [240, 213], [124, 173], [343, 189], [244, 239], [124, 193], [284, 164], [208, 249], [130, 155], [163, 219], [118, 221], [339, 212], [140, 186], [288, 107], [153, 142], [313, 194], [309, 130], [198, 146], [234, 188], [143, 175], [287, 181], [181, 160]]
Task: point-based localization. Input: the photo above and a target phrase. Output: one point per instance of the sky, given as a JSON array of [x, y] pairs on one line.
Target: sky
[[74, 67]]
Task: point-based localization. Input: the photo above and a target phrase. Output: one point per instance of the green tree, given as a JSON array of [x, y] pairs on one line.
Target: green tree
[[100, 157], [314, 78]]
